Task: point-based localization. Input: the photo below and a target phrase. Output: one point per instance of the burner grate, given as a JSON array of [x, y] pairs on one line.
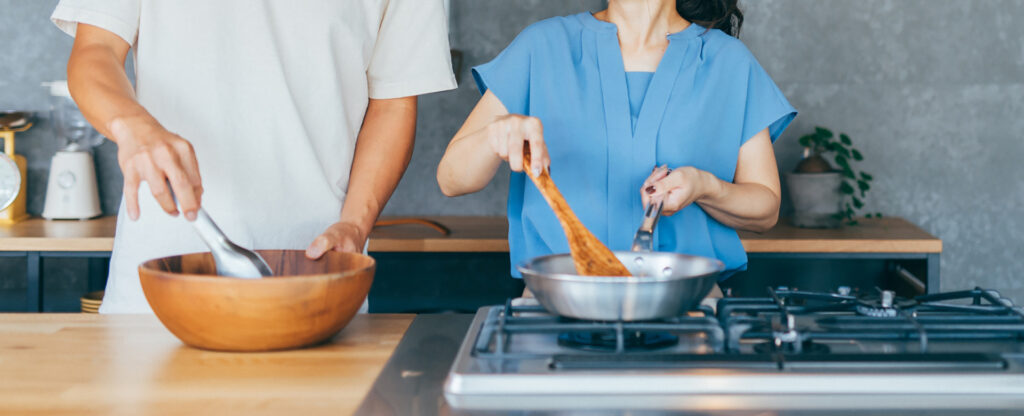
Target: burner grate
[[987, 316], [503, 324]]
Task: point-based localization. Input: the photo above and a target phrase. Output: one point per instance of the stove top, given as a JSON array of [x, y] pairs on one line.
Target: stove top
[[964, 345]]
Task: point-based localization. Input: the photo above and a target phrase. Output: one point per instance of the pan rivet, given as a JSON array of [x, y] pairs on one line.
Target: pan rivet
[[666, 271], [639, 261]]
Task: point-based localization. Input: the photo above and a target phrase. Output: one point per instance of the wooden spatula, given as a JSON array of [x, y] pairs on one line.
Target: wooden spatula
[[591, 257]]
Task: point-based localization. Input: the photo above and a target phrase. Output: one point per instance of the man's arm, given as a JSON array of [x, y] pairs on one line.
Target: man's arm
[[383, 150], [145, 150]]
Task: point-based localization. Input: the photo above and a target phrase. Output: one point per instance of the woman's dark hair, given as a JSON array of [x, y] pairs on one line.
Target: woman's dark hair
[[724, 15]]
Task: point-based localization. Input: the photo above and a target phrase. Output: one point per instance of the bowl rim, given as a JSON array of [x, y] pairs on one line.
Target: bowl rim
[[211, 277], [717, 268]]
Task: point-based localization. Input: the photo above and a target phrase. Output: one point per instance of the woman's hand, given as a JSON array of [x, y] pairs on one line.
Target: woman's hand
[[506, 136], [340, 236], [148, 152], [678, 188]]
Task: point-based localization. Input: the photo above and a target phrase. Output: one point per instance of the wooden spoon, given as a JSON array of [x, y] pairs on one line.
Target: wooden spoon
[[592, 258]]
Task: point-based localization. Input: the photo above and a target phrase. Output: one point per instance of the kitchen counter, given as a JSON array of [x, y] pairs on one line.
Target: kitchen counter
[[489, 234], [83, 364], [476, 247]]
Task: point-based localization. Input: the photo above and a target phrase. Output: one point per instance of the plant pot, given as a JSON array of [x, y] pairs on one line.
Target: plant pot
[[816, 199]]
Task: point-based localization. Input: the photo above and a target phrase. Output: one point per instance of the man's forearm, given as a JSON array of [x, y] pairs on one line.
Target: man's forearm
[[383, 150], [98, 81]]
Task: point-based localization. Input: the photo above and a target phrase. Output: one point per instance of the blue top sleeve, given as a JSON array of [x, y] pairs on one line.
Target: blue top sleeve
[[766, 107], [508, 75]]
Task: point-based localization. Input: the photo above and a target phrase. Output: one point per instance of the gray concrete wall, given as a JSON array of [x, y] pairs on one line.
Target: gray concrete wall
[[932, 91]]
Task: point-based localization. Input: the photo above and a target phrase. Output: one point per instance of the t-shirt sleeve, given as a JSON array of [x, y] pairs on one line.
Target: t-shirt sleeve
[[120, 17], [766, 107], [412, 55], [508, 75]]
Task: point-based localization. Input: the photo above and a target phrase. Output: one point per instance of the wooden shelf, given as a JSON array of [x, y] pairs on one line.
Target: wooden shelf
[[58, 364], [489, 234]]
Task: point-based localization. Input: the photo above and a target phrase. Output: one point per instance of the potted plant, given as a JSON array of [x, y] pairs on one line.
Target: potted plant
[[822, 195]]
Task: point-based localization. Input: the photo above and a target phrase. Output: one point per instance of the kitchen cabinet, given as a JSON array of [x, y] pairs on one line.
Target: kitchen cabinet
[[423, 270], [129, 364]]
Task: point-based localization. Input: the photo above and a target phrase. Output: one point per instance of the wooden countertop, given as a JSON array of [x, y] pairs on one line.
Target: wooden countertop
[[129, 364], [489, 234], [37, 234]]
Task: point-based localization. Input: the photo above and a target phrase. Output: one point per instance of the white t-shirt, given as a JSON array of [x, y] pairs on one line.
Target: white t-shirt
[[272, 95]]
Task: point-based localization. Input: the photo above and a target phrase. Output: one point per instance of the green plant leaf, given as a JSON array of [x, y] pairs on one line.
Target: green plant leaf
[[878, 215], [865, 176], [852, 222], [856, 155], [842, 161], [847, 172], [867, 215], [846, 188], [805, 140], [823, 132], [845, 139], [857, 203], [863, 185]]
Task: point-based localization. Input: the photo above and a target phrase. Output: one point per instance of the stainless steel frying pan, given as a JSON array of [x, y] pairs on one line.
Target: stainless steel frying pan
[[663, 285]]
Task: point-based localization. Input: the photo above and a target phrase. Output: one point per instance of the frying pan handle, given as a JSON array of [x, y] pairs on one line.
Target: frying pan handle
[[651, 214]]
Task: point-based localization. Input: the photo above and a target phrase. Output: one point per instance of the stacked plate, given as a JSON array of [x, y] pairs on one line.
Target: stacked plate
[[91, 302]]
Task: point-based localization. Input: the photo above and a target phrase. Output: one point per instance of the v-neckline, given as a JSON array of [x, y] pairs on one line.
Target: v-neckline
[[613, 77]]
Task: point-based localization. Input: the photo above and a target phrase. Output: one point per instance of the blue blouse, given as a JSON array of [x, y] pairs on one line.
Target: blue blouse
[[637, 84], [708, 97]]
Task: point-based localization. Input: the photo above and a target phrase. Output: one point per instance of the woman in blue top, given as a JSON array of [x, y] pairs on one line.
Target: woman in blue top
[[605, 98]]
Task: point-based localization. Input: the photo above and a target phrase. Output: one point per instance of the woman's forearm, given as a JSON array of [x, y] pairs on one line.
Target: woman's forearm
[[743, 206], [468, 165]]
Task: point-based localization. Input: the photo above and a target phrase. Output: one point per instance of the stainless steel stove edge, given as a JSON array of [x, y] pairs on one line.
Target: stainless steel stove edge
[[462, 382]]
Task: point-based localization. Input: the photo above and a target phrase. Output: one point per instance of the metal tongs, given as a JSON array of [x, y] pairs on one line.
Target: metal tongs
[[230, 259], [643, 241]]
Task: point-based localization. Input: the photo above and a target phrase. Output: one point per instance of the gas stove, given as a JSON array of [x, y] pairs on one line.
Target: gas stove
[[789, 348]]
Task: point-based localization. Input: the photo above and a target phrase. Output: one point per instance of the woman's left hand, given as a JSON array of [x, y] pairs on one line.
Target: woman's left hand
[[678, 188]]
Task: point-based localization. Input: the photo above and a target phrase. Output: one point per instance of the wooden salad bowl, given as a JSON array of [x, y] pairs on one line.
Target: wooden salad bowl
[[306, 302]]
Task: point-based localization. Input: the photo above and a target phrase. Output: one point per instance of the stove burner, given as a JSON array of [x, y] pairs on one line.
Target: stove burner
[[605, 341], [807, 347], [883, 305]]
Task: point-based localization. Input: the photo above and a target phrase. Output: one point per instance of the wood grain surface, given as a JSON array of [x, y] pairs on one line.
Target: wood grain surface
[[37, 234], [489, 234], [305, 302], [78, 364], [882, 235]]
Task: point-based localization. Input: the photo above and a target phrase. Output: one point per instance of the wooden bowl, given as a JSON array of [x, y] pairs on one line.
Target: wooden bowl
[[305, 303]]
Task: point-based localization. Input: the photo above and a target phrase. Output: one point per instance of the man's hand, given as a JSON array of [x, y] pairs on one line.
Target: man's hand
[[340, 236], [148, 152]]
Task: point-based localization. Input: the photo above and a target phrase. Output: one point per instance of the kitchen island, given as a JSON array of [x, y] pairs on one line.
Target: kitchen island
[[79, 364]]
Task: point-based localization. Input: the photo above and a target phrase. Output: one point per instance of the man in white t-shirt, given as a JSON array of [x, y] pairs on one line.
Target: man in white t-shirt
[[267, 100]]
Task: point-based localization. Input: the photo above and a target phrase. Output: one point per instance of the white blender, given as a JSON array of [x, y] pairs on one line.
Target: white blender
[[71, 191]]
